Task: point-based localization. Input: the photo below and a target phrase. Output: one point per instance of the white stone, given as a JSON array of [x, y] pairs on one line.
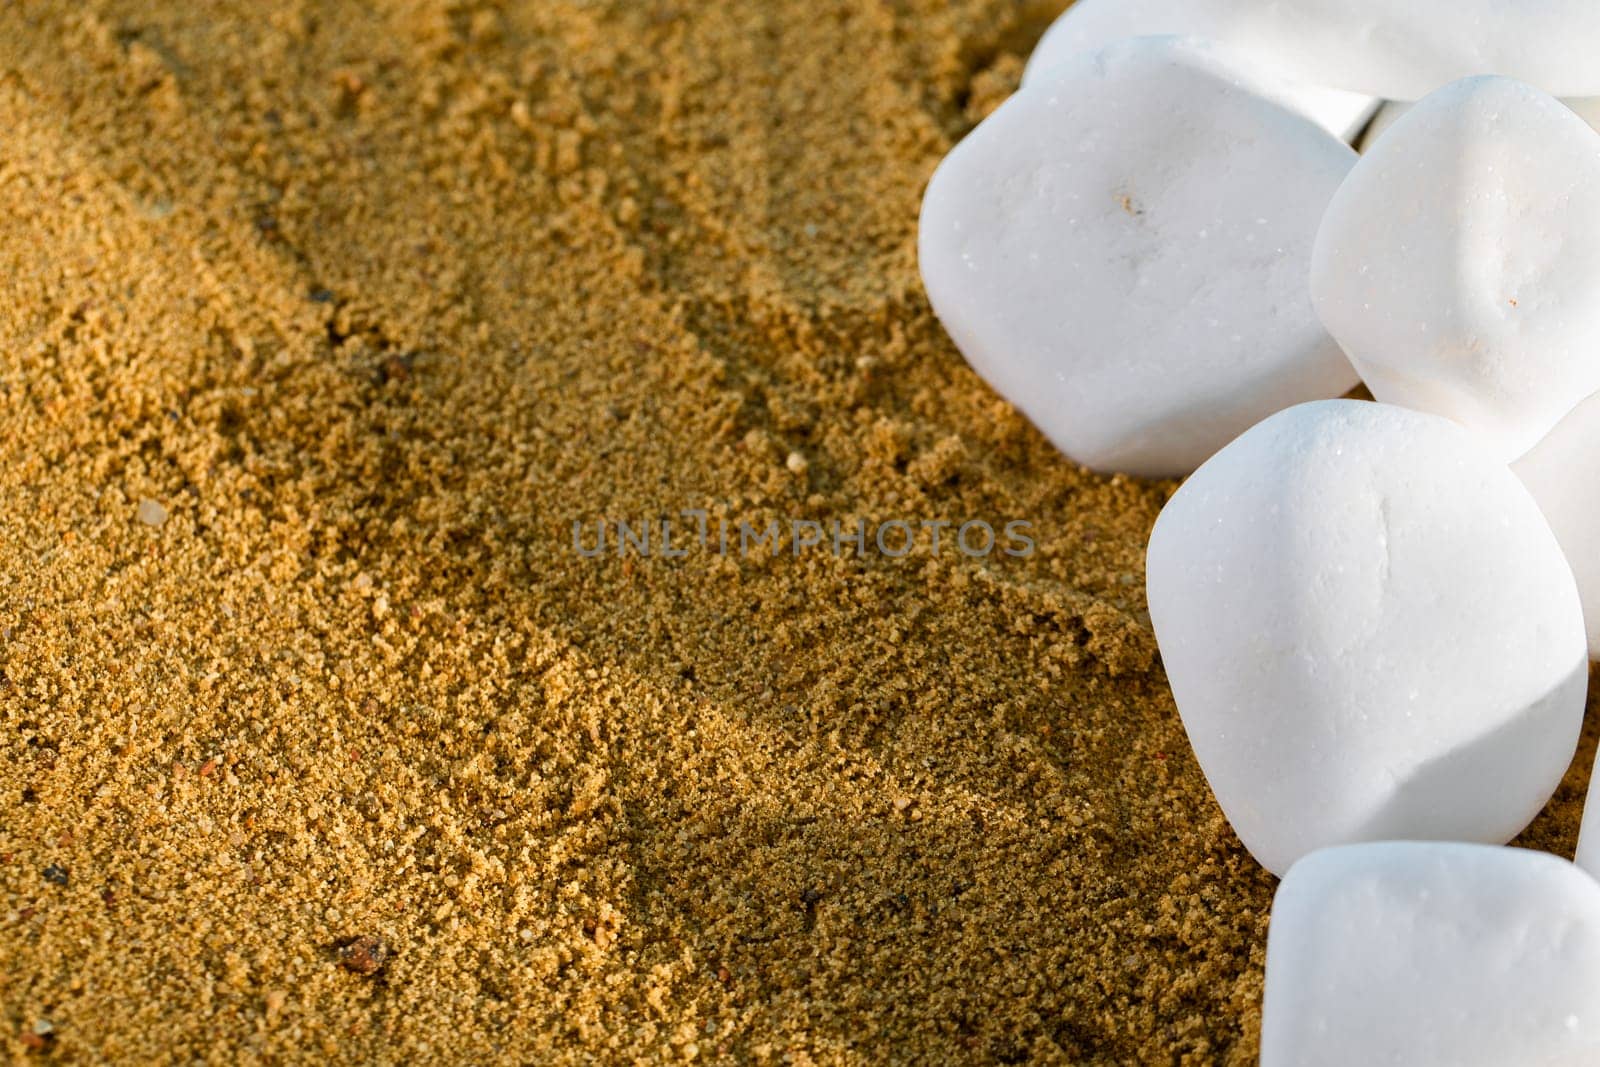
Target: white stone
[[1380, 48], [1433, 955], [1370, 633], [151, 512], [1093, 24], [1450, 265], [1563, 474], [1122, 251]]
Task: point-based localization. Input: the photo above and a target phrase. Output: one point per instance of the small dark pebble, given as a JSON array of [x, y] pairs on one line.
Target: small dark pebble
[[395, 369], [55, 874], [364, 955], [322, 296]]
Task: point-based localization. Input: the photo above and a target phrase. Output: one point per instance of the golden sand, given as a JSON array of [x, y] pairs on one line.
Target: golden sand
[[318, 739]]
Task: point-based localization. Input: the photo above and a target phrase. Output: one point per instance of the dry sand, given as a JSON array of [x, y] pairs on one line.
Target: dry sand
[[320, 329]]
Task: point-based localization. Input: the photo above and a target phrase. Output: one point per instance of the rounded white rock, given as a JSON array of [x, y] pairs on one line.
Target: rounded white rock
[[1433, 955], [1370, 633], [1093, 24], [1448, 269], [1122, 250], [1377, 48]]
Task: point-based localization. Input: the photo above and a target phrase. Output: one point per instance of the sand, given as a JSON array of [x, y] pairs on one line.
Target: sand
[[318, 738]]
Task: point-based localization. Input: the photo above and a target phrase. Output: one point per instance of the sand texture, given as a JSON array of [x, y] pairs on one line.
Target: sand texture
[[320, 325]]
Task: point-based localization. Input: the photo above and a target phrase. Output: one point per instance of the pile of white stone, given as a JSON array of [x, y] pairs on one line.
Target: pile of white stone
[[1165, 251]]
